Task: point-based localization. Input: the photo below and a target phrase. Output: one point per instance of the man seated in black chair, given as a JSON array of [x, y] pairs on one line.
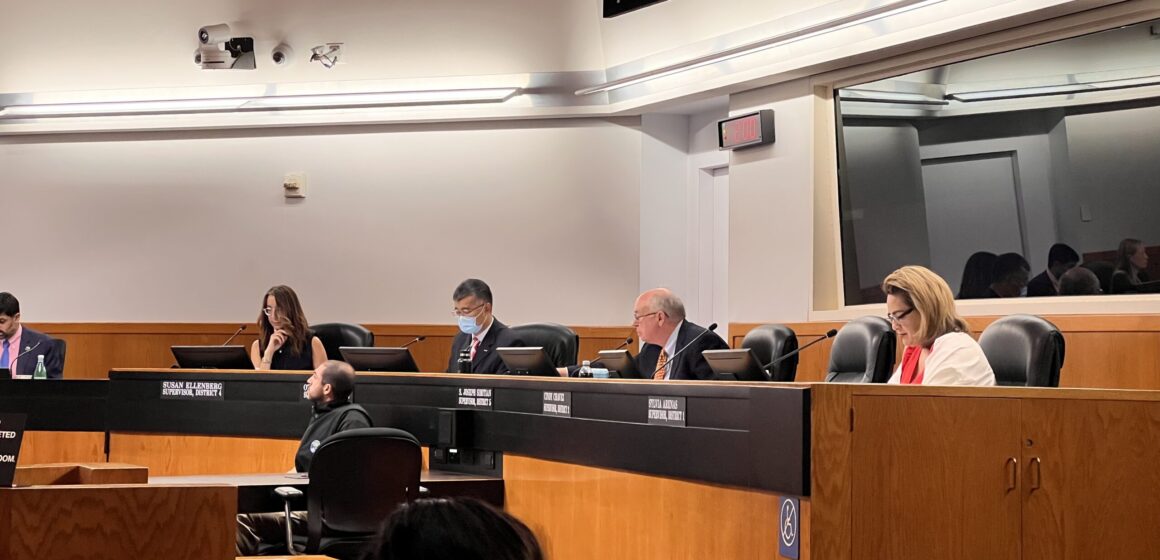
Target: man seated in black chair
[[480, 332], [1060, 259], [659, 318], [329, 389], [21, 346]]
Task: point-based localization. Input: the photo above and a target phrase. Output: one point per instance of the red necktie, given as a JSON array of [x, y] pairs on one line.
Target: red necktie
[[474, 345]]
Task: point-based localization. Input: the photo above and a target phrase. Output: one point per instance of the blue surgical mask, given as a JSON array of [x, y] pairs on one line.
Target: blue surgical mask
[[468, 325]]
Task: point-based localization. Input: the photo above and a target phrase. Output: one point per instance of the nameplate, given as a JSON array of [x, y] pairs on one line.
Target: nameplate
[[11, 434], [478, 398], [193, 390], [557, 403], [666, 411]]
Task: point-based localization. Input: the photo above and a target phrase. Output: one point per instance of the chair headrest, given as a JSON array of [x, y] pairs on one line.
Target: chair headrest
[[1024, 350], [771, 341], [863, 351]]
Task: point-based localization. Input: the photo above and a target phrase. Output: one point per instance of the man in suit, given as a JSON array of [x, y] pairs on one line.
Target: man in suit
[[20, 346], [659, 319], [480, 333], [1009, 276], [1060, 259]]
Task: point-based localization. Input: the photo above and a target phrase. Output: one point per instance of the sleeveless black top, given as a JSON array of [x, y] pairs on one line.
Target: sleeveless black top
[[284, 358]]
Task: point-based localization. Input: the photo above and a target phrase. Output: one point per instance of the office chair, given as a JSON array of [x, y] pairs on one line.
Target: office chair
[[1024, 350], [772, 341], [1103, 271], [863, 352], [357, 478], [336, 335], [560, 343]]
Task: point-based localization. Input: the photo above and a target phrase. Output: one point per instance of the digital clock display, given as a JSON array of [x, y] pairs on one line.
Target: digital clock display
[[753, 129]]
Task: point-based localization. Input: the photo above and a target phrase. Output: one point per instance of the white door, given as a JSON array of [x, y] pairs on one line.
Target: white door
[[712, 250], [973, 203]]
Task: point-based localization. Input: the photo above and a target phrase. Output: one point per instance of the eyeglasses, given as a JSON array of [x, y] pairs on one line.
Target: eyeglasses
[[896, 317], [269, 311], [636, 318], [466, 312]]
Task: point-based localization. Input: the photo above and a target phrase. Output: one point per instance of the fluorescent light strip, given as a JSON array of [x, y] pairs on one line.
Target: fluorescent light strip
[[489, 95], [121, 108], [328, 101], [867, 96], [807, 32], [1044, 91]]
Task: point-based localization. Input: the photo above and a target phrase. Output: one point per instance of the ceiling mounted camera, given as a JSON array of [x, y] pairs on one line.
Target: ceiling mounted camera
[[219, 50]]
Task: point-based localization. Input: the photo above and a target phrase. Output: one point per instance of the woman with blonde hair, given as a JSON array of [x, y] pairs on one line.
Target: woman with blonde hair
[[938, 347]]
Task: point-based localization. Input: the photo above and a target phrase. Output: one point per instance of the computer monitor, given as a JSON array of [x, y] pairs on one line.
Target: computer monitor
[[527, 360], [735, 365], [620, 363], [212, 357], [373, 358]]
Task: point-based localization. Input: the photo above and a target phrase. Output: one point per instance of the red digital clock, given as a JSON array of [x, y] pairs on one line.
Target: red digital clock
[[753, 129]]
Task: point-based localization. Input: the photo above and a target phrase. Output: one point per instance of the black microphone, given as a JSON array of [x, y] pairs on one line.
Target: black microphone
[[626, 342], [26, 352], [235, 335], [829, 334], [417, 339], [711, 328]]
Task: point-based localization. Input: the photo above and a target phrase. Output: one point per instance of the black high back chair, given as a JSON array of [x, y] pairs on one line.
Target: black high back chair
[[769, 342], [863, 352], [560, 343], [357, 478], [336, 335], [1024, 351]]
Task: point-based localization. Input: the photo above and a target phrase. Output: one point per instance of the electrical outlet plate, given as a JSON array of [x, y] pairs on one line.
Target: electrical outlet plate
[[294, 185]]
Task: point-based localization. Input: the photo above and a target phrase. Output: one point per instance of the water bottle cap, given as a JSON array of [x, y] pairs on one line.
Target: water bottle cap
[[40, 357], [587, 362]]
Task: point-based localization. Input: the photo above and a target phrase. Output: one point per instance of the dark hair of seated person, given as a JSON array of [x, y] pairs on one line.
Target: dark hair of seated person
[[453, 529]]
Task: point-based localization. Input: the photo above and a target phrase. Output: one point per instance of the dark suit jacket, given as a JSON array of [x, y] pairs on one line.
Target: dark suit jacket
[[486, 358], [690, 364], [53, 359], [1041, 286]]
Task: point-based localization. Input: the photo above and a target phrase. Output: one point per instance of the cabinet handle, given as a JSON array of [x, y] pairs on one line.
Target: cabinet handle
[[1012, 473], [1036, 473]]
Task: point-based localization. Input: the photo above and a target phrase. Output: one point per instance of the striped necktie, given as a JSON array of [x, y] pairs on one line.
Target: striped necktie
[[662, 361]]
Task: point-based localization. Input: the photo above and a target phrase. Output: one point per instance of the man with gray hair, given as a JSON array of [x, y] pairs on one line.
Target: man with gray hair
[[1079, 281], [659, 319]]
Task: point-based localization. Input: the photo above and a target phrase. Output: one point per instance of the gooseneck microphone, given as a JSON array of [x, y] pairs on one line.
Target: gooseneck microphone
[[626, 342], [26, 352], [711, 328], [417, 339], [235, 335], [829, 334]]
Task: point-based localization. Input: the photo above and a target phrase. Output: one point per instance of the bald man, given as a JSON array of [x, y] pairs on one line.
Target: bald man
[[329, 389], [659, 318]]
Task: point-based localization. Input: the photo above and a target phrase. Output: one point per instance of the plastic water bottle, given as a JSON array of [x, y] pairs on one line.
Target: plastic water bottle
[[585, 369], [41, 372]]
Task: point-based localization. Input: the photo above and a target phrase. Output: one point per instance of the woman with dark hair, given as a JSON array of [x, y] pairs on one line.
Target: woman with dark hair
[[453, 529], [977, 276], [1131, 261], [284, 338]]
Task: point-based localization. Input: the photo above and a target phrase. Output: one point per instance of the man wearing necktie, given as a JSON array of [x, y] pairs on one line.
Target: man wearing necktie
[[20, 345], [659, 318], [480, 333]]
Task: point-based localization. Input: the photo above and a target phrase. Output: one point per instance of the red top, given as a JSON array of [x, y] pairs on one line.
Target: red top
[[910, 373]]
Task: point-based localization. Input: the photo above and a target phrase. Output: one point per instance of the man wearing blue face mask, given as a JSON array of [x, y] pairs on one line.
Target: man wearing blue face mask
[[480, 333]]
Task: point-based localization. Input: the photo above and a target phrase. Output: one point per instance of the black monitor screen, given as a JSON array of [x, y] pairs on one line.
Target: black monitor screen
[[528, 360], [365, 358], [212, 357], [619, 362], [735, 365]]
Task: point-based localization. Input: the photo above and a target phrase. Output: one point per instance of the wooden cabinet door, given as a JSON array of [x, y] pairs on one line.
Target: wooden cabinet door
[[1091, 484], [935, 477]]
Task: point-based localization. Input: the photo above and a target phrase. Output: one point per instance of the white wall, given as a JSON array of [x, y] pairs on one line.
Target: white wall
[[60, 45], [1114, 171], [771, 210], [886, 199], [135, 227]]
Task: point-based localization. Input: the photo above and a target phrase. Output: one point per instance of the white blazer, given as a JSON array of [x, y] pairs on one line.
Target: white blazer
[[955, 359]]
